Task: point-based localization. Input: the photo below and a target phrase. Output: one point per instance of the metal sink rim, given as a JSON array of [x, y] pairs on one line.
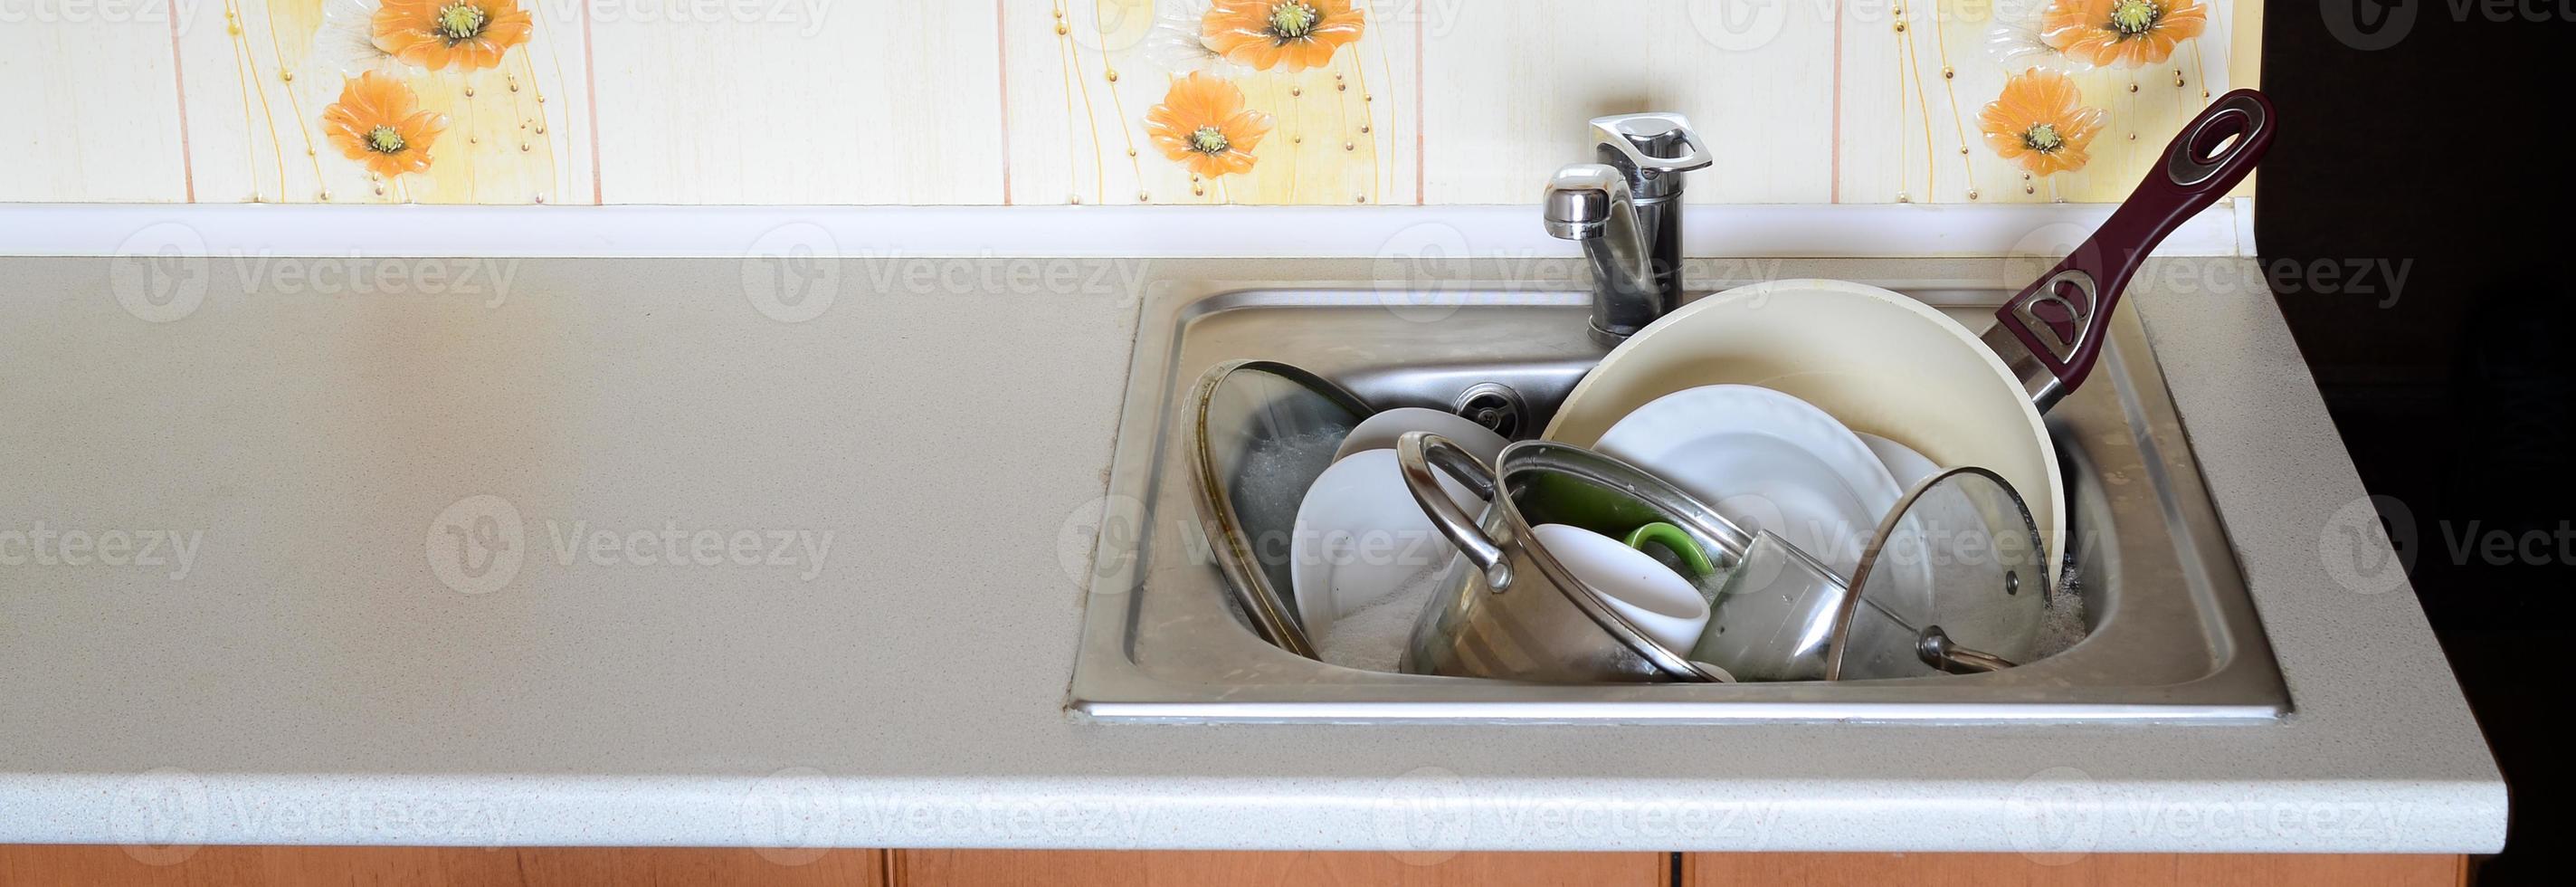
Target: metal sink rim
[[1109, 682]]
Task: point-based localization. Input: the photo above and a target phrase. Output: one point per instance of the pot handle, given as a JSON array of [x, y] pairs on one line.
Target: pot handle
[[1415, 454], [1936, 649], [2051, 332]]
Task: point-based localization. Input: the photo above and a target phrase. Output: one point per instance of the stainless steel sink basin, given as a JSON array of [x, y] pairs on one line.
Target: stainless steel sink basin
[[2173, 635]]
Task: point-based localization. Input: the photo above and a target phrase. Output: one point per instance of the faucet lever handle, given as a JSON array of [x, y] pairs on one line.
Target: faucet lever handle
[[1650, 144]]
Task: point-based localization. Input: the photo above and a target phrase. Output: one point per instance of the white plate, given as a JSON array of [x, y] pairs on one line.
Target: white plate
[[1903, 463], [1360, 538], [1767, 461], [1378, 432]]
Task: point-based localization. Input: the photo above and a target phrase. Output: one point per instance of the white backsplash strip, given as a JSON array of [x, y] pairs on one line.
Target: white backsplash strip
[[1835, 230]]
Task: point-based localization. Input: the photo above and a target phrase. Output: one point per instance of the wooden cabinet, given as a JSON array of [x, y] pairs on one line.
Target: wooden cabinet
[[83, 866], [991, 868], [2095, 870], [112, 866]]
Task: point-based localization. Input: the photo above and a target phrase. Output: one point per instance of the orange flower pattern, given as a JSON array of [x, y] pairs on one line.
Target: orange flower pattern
[[2040, 122], [2122, 33], [1291, 35], [1203, 125], [378, 122], [439, 34]]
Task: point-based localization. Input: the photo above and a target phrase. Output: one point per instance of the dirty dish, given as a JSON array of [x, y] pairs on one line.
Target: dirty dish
[[1378, 432], [1765, 460], [1886, 364], [1903, 463], [1658, 601], [1359, 538]]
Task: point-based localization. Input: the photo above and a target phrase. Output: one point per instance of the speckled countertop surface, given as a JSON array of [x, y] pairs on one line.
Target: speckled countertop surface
[[604, 552]]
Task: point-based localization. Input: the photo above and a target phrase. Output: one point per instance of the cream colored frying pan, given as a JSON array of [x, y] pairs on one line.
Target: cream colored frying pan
[[1891, 366]]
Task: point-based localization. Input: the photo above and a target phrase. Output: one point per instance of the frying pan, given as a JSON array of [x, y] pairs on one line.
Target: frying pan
[[1891, 366]]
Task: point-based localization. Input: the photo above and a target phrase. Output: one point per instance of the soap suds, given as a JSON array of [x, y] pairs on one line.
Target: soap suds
[[1372, 637]]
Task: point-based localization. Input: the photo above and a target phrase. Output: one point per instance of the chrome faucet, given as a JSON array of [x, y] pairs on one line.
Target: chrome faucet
[[1626, 211]]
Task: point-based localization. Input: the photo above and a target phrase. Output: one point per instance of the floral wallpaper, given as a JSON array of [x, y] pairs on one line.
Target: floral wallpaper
[[1101, 101]]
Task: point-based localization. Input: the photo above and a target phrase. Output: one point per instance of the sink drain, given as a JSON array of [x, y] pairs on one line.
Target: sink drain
[[1493, 405]]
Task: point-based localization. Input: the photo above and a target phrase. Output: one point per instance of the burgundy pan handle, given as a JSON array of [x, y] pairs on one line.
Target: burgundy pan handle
[[2051, 332]]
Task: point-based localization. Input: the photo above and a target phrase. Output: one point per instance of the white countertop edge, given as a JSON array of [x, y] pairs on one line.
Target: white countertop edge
[[166, 812], [1511, 231]]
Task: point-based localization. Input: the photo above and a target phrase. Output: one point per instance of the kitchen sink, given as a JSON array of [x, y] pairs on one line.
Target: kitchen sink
[[2172, 633]]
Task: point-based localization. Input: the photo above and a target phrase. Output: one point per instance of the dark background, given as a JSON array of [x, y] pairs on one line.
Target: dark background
[[2444, 141]]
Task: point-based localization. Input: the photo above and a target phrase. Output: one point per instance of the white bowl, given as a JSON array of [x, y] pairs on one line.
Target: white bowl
[[1378, 432], [1658, 601], [1359, 538]]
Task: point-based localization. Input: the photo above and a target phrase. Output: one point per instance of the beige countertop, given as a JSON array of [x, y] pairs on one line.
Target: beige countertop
[[593, 551]]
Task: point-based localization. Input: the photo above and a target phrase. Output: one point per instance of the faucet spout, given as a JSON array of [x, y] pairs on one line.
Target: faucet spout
[[1626, 212], [1590, 204]]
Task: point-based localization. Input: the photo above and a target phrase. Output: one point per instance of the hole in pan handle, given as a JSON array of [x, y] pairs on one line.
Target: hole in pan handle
[[2051, 332]]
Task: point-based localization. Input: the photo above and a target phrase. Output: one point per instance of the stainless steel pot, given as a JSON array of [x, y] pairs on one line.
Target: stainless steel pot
[[1506, 608]]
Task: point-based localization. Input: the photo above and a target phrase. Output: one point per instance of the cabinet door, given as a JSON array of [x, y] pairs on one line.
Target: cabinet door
[[1193, 868], [2094, 870]]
